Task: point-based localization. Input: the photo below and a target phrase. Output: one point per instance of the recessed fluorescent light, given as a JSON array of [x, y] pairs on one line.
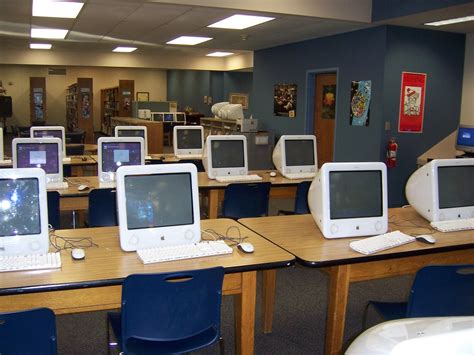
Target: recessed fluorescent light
[[451, 21], [239, 22], [48, 33], [125, 49], [40, 46], [219, 54], [189, 40], [50, 8]]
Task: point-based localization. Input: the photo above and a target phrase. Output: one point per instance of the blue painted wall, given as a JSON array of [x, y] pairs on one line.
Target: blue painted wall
[[189, 87], [386, 9], [441, 56], [378, 54]]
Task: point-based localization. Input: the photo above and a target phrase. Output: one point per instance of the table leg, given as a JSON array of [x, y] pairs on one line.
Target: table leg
[[336, 317], [245, 314], [213, 203], [268, 299]]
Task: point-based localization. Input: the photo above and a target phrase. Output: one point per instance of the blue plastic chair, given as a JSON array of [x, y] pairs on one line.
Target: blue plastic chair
[[246, 200], [54, 216], [301, 200], [437, 291], [102, 208], [197, 162], [28, 332], [168, 313]]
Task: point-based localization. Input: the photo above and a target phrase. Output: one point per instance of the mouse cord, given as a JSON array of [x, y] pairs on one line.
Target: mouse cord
[[62, 243], [217, 236]]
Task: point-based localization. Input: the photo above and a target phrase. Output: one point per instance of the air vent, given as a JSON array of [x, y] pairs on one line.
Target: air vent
[[56, 71]]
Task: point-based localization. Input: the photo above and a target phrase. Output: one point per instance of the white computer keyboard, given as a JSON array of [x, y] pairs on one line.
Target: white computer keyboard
[[6, 161], [381, 242], [187, 251], [190, 156], [300, 175], [30, 262], [66, 160], [148, 157], [107, 184], [57, 185], [453, 225], [238, 178]]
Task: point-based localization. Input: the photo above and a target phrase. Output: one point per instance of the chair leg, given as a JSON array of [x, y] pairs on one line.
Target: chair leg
[[364, 317], [222, 346]]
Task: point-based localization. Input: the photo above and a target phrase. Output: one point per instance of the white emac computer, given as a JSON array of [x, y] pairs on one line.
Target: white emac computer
[[133, 131], [225, 155], [158, 206], [114, 152], [23, 212], [44, 153], [350, 199], [50, 132], [188, 142], [443, 189], [295, 156]]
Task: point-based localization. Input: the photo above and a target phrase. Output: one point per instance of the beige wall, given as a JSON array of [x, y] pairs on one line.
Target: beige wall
[[467, 103], [16, 80]]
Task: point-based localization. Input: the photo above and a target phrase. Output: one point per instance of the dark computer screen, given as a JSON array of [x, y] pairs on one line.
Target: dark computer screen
[[48, 133], [180, 117], [168, 117], [355, 194], [456, 186], [131, 133], [158, 200], [20, 207], [189, 139], [465, 139], [227, 153], [38, 155], [115, 154], [299, 152], [157, 117]]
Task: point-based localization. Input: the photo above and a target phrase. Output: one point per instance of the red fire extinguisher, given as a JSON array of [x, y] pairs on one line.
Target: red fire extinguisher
[[392, 147]]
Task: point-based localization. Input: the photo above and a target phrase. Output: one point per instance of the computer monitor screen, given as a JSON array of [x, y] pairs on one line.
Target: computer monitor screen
[[465, 139], [225, 155], [443, 189], [180, 117], [115, 152], [41, 153], [157, 116], [295, 154], [50, 132], [23, 212], [168, 117], [188, 140], [133, 131], [350, 199], [158, 205]]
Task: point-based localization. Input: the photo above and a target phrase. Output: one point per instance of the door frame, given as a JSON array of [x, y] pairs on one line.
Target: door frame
[[310, 108]]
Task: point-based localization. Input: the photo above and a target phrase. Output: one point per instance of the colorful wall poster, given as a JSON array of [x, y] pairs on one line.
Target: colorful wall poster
[[361, 92], [412, 102], [328, 106], [284, 100]]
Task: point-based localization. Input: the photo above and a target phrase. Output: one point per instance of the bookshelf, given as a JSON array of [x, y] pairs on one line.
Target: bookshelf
[[38, 112], [79, 107], [116, 102]]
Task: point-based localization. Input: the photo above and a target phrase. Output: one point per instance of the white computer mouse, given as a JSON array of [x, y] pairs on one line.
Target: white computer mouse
[[273, 174], [83, 187], [246, 247], [426, 238], [78, 254]]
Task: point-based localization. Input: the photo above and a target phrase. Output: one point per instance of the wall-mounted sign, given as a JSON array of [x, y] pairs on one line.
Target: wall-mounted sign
[[412, 102]]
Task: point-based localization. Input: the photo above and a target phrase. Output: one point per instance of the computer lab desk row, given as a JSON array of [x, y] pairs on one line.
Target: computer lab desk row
[[74, 200]]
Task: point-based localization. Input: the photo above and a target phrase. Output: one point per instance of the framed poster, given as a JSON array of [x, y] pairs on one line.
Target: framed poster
[[284, 100], [236, 98], [143, 96], [328, 103], [361, 92], [412, 102]]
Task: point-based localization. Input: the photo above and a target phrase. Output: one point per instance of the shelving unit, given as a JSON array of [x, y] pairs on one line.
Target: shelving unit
[[154, 131], [213, 125], [116, 102], [38, 112], [79, 107]]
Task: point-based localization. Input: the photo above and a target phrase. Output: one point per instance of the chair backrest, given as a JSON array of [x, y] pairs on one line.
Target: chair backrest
[[75, 149], [102, 208], [28, 332], [246, 200], [177, 312], [54, 217], [442, 290], [77, 137], [301, 200], [197, 162]]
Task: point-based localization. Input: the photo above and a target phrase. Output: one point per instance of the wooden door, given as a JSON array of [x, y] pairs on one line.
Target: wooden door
[[325, 116]]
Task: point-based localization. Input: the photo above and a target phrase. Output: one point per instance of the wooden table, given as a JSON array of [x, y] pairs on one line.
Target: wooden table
[[72, 199], [95, 282], [300, 236]]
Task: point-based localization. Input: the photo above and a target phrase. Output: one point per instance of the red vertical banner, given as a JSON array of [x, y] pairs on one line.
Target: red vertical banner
[[412, 102]]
